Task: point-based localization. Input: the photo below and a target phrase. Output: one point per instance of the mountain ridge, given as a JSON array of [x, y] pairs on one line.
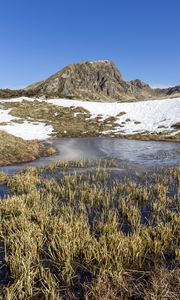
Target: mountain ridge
[[98, 80]]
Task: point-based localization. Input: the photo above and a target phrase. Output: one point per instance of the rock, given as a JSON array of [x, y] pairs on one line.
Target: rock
[[172, 90], [99, 80], [177, 125]]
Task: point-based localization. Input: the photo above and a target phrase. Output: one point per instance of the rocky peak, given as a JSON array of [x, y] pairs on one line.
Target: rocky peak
[[98, 80], [139, 84], [92, 80]]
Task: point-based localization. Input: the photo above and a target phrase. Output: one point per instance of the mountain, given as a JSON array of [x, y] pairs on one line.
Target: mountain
[[99, 80]]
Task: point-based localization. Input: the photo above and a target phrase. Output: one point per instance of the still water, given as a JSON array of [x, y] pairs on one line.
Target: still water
[[138, 155]]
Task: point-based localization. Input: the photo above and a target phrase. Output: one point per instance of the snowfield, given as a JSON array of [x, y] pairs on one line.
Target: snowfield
[[153, 116], [136, 117]]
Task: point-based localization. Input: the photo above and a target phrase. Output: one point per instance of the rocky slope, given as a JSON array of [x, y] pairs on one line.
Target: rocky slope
[[172, 91], [99, 80]]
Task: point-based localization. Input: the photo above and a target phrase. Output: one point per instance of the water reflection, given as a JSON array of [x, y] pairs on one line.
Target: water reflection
[[137, 154]]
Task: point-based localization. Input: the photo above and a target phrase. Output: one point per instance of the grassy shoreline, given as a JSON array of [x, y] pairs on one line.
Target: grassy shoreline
[[151, 137], [135, 137], [16, 150]]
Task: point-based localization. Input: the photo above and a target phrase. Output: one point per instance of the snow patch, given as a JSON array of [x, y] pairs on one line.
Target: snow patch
[[28, 131], [5, 116], [14, 100]]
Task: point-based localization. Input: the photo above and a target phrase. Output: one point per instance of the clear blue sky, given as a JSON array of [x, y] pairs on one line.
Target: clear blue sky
[[39, 37]]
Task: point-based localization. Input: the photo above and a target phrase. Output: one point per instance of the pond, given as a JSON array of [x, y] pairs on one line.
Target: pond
[[138, 155]]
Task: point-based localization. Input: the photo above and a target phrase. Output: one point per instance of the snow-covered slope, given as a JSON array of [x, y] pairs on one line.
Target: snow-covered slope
[[136, 117], [152, 116]]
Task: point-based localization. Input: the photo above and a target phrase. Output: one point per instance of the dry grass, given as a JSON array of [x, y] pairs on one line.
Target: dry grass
[[17, 150], [145, 136], [91, 236]]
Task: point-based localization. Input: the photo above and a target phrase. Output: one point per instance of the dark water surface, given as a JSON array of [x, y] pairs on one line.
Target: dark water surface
[[138, 155]]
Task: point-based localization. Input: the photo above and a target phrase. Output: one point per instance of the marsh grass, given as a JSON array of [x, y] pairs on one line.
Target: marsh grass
[[84, 236], [84, 163], [3, 177]]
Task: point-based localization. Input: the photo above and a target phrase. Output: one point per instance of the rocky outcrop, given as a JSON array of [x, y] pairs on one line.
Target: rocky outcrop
[[172, 90], [141, 90], [99, 80]]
